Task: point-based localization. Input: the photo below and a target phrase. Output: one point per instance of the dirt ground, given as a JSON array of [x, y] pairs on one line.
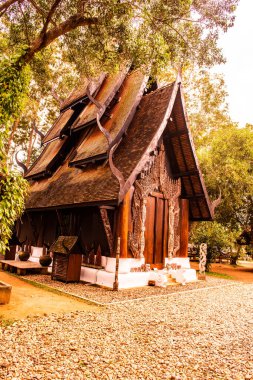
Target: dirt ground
[[243, 272], [28, 300]]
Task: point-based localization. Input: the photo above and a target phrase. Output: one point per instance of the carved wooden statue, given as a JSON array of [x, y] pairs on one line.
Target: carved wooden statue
[[173, 239], [202, 260]]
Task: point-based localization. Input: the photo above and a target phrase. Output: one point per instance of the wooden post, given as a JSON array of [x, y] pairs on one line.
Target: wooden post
[[124, 222], [116, 280], [184, 228]]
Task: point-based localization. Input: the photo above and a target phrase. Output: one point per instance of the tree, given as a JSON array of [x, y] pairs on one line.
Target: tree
[[227, 164], [216, 236], [98, 35], [111, 30], [206, 99], [225, 153]]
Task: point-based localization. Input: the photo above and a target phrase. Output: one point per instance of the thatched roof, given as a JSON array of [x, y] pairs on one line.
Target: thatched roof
[[82, 175]]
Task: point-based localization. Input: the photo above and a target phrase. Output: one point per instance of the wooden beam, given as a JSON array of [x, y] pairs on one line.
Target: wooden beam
[[184, 228], [179, 132], [202, 195], [187, 173], [108, 207], [156, 194], [124, 223]]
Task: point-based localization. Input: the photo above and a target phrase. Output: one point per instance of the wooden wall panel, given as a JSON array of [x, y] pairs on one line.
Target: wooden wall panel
[[165, 229], [158, 246], [149, 232], [184, 228], [124, 224]]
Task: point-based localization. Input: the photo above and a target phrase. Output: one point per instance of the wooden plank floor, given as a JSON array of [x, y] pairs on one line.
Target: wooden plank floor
[[21, 266]]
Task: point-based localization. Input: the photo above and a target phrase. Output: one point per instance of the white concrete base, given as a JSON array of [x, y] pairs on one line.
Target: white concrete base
[[184, 276], [88, 275], [34, 259], [126, 281], [183, 261]]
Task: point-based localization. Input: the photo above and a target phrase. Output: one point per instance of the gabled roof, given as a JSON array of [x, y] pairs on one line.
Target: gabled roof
[[149, 117], [80, 92]]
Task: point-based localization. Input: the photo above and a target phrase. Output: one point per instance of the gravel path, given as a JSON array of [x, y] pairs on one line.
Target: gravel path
[[106, 296], [195, 335]]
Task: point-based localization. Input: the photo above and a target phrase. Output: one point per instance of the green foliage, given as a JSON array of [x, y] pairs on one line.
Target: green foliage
[[13, 94], [225, 151], [221, 275], [144, 32], [14, 83], [215, 235], [206, 101], [13, 189], [227, 165]]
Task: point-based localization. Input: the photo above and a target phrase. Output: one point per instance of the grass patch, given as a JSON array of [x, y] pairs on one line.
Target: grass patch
[[221, 275], [6, 322]]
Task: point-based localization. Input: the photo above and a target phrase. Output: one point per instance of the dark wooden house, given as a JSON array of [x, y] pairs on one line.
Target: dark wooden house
[[118, 162]]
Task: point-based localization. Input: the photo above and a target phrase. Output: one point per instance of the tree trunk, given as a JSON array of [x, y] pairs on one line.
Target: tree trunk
[[13, 130], [30, 146], [235, 257]]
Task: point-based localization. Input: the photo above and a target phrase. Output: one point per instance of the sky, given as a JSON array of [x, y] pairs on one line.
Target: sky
[[237, 46]]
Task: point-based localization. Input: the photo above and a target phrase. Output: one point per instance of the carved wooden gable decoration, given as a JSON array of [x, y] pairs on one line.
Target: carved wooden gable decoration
[[154, 177]]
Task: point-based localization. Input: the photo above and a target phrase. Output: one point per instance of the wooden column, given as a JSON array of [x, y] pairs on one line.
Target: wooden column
[[184, 228], [124, 222]]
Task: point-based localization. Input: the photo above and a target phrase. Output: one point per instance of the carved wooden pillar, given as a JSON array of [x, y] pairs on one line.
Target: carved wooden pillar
[[107, 226], [144, 214], [124, 222], [184, 228]]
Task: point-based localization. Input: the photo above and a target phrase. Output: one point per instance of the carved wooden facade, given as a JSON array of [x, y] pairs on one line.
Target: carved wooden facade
[[155, 178]]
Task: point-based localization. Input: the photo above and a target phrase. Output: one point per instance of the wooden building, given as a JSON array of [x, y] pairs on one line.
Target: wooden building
[[118, 162]]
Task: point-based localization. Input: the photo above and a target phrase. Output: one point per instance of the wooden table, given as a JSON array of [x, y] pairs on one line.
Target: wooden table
[[22, 266]]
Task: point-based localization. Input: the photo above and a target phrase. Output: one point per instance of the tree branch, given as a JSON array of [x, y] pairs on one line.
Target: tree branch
[[49, 17], [25, 24], [38, 9], [39, 43], [56, 96], [7, 4]]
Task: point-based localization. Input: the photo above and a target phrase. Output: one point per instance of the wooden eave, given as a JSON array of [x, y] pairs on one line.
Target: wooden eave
[[42, 167], [112, 203], [184, 162], [54, 132]]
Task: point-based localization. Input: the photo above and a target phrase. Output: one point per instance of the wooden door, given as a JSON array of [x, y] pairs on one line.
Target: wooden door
[[156, 230]]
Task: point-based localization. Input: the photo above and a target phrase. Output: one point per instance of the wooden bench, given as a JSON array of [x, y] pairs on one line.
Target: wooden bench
[[21, 267]]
